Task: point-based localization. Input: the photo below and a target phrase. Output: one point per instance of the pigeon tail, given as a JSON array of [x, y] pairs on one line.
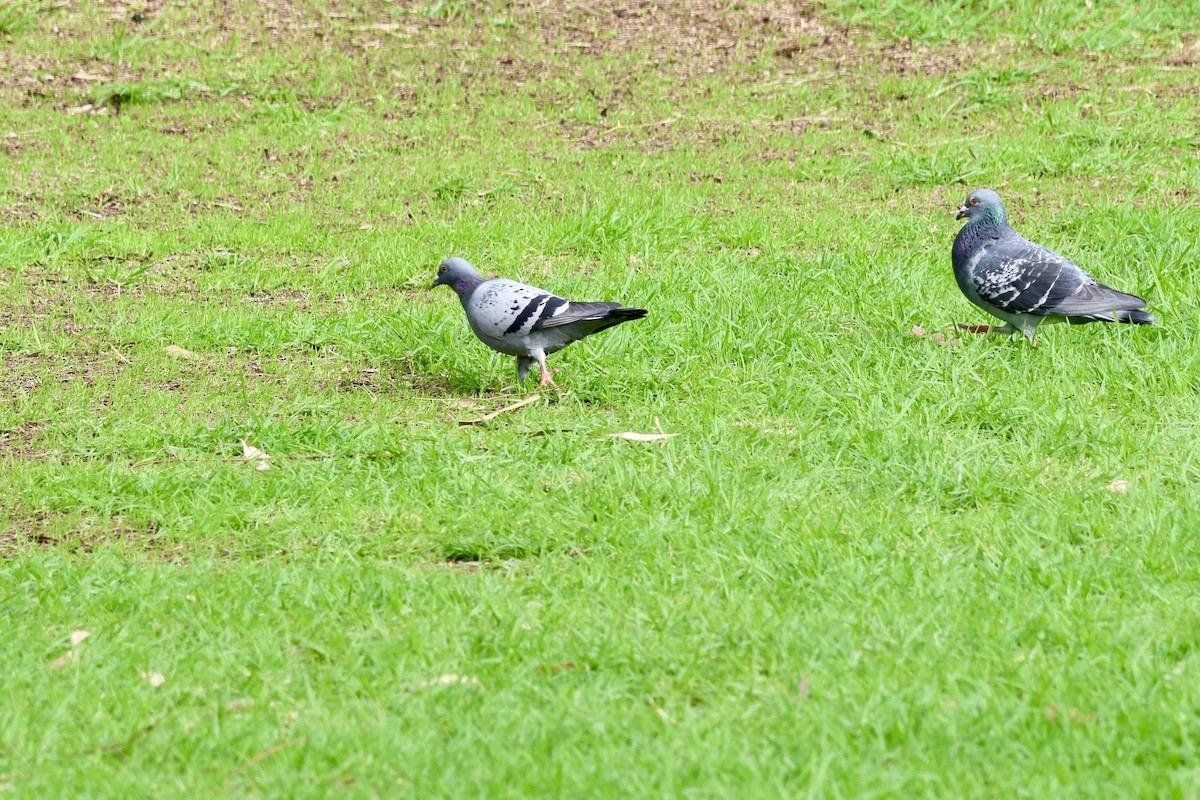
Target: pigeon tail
[[614, 317], [1129, 317], [1136, 317], [619, 315]]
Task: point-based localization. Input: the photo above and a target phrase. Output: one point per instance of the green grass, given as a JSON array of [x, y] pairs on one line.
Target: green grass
[[869, 565]]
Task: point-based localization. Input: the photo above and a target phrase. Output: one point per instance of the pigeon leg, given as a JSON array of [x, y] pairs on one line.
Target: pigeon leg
[[1003, 329], [547, 378], [523, 365]]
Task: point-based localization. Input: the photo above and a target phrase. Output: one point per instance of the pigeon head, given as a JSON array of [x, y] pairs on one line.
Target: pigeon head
[[983, 205], [459, 275]]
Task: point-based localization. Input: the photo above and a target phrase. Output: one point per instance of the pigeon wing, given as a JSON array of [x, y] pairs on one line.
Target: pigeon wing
[[572, 311], [504, 309], [1021, 277]]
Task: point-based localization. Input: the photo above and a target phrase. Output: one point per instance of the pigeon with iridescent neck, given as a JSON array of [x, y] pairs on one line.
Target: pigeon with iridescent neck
[[525, 321], [1025, 284]]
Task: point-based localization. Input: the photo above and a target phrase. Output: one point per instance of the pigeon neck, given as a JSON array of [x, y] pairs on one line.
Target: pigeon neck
[[971, 234], [465, 285], [991, 217]]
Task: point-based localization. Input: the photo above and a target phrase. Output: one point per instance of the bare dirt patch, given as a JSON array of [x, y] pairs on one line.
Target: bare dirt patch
[[47, 530], [769, 47], [105, 206], [283, 298], [391, 381], [29, 372], [21, 441], [42, 303], [32, 80], [691, 36], [705, 36]]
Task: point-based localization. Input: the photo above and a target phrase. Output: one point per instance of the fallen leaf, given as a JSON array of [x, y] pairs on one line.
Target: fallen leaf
[[83, 109], [77, 637], [155, 679], [937, 338], [662, 712], [83, 75], [512, 407], [252, 453], [803, 686], [1118, 486], [449, 679], [62, 660], [642, 437], [179, 352]]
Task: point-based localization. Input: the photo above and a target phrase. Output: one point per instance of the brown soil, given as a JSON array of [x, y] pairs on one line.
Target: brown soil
[[21, 442], [27, 372], [392, 381], [40, 528]]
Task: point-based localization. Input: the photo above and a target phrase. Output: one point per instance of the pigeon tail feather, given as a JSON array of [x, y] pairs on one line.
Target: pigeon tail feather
[[1134, 317], [1099, 302], [616, 316]]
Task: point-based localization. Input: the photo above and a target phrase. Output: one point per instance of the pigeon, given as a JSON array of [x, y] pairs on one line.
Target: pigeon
[[524, 321], [1025, 284]]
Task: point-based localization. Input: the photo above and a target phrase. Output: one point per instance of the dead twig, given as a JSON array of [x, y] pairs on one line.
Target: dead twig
[[117, 747], [154, 461], [273, 749], [284, 457], [118, 354], [621, 126], [491, 416]]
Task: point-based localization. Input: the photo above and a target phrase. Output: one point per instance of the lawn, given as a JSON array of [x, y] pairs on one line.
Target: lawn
[[879, 557]]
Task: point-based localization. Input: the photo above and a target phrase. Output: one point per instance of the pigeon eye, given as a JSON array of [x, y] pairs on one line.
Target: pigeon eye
[[974, 201], [442, 270]]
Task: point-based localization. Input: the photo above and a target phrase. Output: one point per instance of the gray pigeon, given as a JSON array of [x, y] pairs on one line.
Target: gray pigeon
[[1023, 283], [525, 321]]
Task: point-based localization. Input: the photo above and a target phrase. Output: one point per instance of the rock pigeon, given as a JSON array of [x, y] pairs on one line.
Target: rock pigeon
[[525, 321], [1025, 284]]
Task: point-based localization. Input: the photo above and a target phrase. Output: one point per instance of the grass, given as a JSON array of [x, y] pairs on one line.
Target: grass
[[869, 565]]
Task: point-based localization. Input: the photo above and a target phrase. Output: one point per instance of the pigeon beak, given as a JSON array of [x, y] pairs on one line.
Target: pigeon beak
[[962, 212]]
